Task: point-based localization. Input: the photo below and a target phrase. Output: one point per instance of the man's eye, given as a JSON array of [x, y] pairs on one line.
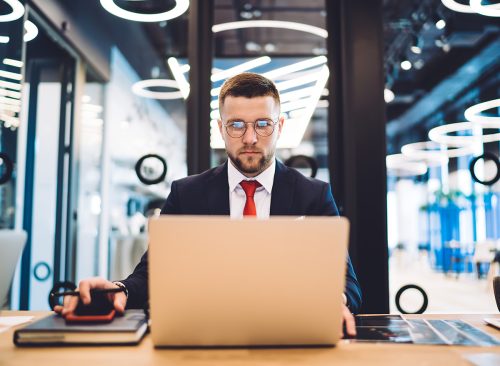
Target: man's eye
[[237, 125], [263, 123]]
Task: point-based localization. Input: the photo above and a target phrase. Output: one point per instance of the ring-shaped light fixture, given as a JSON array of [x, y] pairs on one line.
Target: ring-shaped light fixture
[[428, 151], [8, 168], [180, 8], [31, 31], [484, 156], [440, 134], [301, 27], [401, 166], [487, 10], [473, 113], [146, 180], [463, 8], [16, 13], [139, 88], [425, 299]]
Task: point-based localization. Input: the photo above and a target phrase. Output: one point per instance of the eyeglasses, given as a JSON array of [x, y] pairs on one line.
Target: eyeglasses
[[263, 127]]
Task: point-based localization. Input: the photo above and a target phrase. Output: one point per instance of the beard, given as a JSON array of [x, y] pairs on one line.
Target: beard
[[252, 164]]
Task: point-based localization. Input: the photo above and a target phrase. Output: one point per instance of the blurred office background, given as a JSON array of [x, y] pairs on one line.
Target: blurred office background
[[103, 103]]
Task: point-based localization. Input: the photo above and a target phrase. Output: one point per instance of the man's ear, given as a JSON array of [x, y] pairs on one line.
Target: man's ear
[[281, 121], [219, 122]]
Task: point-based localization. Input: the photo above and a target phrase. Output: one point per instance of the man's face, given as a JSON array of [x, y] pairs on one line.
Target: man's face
[[250, 153]]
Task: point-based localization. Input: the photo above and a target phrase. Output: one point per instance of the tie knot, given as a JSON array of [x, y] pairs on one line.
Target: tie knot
[[249, 186]]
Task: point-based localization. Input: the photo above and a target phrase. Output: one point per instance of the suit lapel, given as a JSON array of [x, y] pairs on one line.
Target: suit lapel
[[282, 193], [218, 191]]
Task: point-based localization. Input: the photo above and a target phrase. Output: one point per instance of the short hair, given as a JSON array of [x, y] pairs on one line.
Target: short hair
[[249, 85]]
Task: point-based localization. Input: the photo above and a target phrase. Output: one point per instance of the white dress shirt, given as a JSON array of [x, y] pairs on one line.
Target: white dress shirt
[[262, 197]]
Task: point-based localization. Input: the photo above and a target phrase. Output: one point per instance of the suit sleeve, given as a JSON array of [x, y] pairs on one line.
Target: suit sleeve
[[352, 288], [137, 282]]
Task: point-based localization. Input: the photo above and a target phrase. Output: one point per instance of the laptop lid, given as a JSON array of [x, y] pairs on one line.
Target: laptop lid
[[220, 282]]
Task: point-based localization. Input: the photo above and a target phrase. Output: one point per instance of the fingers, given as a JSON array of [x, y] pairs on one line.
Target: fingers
[[120, 302], [70, 302], [350, 323]]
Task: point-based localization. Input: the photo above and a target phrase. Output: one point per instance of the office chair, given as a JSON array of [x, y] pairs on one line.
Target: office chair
[[496, 290], [11, 246]]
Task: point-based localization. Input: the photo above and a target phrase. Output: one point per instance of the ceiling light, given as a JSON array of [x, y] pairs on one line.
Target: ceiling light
[[31, 31], [9, 107], [388, 95], [473, 8], [139, 88], [245, 66], [4, 39], [416, 50], [10, 101], [473, 113], [440, 134], [269, 47], [11, 62], [16, 13], [10, 75], [179, 77], [301, 27], [487, 10], [406, 65], [401, 166], [419, 64], [180, 8], [10, 93], [440, 24], [252, 47], [10, 85], [434, 153], [298, 66]]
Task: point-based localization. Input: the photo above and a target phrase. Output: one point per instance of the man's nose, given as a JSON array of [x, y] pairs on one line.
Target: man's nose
[[250, 136]]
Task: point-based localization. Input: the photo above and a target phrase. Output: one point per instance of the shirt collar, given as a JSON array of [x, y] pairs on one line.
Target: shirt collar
[[266, 178]]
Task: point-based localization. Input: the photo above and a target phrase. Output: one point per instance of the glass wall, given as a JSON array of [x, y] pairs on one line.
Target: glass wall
[[96, 139], [284, 41], [442, 68]]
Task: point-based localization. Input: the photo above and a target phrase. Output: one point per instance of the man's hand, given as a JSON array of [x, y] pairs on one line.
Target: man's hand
[[119, 299], [350, 323]]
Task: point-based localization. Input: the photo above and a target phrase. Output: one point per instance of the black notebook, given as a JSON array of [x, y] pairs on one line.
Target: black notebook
[[53, 331]]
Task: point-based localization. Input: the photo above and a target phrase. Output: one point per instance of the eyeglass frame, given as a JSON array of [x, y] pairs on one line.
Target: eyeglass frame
[[274, 123]]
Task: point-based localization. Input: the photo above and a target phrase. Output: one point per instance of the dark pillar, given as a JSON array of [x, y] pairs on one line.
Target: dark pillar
[[198, 102], [357, 139]]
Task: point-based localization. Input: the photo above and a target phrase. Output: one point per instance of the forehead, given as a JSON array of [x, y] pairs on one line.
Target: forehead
[[249, 108]]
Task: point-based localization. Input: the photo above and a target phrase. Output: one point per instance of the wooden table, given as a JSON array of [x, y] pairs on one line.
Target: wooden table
[[346, 353]]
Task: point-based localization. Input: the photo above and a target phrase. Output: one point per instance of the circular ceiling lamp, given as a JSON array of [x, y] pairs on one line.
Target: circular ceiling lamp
[[433, 153], [487, 10], [485, 156], [140, 88], [473, 113], [16, 13], [301, 27], [400, 166], [180, 8], [475, 7], [31, 31], [441, 135]]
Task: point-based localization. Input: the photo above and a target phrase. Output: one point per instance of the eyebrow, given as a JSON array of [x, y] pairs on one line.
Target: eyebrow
[[243, 120]]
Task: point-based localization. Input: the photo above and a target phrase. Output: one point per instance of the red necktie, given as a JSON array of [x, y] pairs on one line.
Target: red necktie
[[249, 186]]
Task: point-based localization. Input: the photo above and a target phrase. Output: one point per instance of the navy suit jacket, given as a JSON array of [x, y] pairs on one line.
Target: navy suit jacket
[[208, 194]]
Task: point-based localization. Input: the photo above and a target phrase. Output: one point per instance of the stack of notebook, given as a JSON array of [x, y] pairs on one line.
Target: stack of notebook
[[53, 330]]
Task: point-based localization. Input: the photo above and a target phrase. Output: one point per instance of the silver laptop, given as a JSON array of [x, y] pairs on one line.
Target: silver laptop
[[220, 282]]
